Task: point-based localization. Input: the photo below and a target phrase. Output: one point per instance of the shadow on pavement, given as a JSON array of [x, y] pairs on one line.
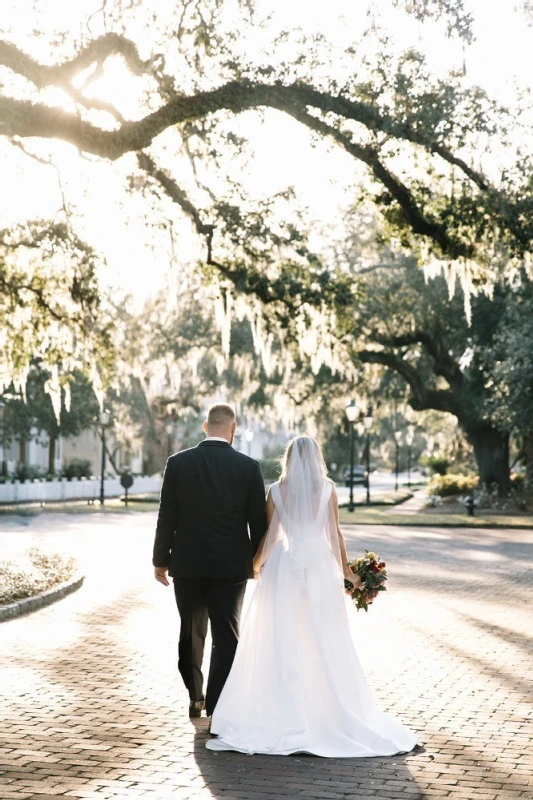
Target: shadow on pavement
[[235, 775], [101, 719], [435, 560], [105, 713], [507, 635]]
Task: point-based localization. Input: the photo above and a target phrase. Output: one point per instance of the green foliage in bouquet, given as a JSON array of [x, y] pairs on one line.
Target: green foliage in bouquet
[[373, 573]]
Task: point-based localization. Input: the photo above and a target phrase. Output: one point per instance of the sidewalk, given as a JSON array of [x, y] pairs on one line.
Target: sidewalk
[[94, 708], [414, 505]]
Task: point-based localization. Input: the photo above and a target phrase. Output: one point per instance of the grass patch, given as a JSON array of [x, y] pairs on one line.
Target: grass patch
[[32, 572], [382, 499], [379, 516]]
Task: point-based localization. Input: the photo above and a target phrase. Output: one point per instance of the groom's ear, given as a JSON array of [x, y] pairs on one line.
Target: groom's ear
[[205, 426]]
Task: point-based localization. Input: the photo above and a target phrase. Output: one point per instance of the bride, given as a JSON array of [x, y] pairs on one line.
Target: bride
[[296, 684]]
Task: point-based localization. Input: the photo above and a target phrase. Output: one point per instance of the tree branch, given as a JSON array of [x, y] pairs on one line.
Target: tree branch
[[413, 215], [48, 163], [25, 119], [270, 292], [422, 396], [375, 267], [288, 290], [98, 50], [445, 366], [235, 96], [8, 288], [173, 190]]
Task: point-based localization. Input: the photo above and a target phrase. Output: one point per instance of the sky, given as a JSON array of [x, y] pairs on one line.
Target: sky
[[112, 221]]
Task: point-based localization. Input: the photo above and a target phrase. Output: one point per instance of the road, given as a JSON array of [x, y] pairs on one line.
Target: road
[[93, 708], [379, 482]]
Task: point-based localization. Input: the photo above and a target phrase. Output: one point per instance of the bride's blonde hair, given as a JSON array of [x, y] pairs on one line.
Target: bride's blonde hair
[[309, 452]]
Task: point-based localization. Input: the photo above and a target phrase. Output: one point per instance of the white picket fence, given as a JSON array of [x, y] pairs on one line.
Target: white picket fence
[[82, 489]]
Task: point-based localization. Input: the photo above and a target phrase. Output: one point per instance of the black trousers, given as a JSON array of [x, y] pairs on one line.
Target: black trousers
[[219, 601]]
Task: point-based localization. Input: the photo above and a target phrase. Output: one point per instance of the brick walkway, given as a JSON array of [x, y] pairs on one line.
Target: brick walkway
[[92, 706]]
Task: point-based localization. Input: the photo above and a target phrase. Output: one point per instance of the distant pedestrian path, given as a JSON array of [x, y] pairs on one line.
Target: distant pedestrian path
[[92, 706]]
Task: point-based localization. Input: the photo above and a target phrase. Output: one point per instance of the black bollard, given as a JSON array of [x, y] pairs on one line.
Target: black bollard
[[470, 504]]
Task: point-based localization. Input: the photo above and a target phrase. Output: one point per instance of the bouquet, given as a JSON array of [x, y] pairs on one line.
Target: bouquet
[[373, 574]]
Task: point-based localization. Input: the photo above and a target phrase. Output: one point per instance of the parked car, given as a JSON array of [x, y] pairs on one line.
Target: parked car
[[359, 475]]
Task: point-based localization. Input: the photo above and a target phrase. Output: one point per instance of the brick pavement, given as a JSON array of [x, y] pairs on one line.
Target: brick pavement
[[92, 706]]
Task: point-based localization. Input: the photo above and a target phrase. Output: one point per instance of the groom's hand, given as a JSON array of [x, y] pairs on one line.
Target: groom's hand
[[160, 574]]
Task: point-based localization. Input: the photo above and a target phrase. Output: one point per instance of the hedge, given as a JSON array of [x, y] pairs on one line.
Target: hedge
[[271, 468], [32, 572], [450, 485]]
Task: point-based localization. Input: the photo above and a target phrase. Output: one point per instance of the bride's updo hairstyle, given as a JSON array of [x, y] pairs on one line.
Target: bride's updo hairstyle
[[309, 456]]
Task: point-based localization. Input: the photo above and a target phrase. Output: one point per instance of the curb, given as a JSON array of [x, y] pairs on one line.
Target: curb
[[405, 523], [29, 604]]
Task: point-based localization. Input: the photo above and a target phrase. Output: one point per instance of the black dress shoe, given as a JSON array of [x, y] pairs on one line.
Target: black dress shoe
[[195, 708]]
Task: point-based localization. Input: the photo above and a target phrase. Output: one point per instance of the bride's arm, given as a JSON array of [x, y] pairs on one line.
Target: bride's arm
[[348, 574], [258, 558]]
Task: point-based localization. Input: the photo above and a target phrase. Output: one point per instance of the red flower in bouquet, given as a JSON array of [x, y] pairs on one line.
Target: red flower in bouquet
[[373, 574]]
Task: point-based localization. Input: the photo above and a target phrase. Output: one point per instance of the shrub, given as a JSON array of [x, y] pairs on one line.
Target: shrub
[[271, 468], [518, 482], [25, 472], [450, 485], [438, 465], [28, 573], [77, 468]]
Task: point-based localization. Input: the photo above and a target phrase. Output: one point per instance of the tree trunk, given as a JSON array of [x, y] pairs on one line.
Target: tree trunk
[[111, 457], [22, 450], [528, 460], [52, 455], [491, 449]]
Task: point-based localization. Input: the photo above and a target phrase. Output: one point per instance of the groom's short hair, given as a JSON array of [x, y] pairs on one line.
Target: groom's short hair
[[220, 415]]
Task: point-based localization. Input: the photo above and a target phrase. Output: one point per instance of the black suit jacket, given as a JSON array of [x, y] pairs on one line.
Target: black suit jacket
[[211, 496]]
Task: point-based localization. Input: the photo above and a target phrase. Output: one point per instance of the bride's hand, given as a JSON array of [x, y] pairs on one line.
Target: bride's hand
[[355, 580]]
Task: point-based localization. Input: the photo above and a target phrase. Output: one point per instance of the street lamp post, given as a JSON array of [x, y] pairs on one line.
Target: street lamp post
[[398, 439], [4, 462], [351, 414], [249, 435], [105, 416], [367, 422], [409, 439], [169, 428]]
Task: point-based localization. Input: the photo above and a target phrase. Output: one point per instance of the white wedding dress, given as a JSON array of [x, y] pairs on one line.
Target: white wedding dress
[[296, 684]]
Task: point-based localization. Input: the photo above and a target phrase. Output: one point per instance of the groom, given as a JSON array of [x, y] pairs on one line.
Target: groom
[[211, 519]]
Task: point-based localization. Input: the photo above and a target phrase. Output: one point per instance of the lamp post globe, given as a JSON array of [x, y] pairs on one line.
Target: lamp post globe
[[351, 415], [351, 411], [249, 436]]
